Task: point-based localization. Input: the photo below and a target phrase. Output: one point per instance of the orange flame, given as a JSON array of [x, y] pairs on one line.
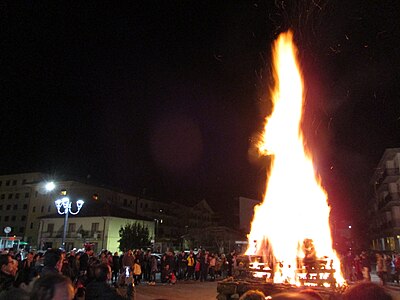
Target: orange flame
[[295, 205]]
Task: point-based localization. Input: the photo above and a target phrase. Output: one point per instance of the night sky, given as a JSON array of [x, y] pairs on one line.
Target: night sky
[[167, 96]]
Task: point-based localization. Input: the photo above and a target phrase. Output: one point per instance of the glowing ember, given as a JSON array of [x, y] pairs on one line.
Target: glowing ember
[[291, 228]]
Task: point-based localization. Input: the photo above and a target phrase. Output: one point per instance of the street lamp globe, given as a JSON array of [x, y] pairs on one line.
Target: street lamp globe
[[49, 186]]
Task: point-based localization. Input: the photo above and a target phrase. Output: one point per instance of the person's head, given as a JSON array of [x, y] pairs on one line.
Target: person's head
[[291, 296], [51, 257], [102, 272], [253, 295], [52, 287], [8, 264], [116, 254], [29, 256], [366, 291], [17, 294], [314, 295]]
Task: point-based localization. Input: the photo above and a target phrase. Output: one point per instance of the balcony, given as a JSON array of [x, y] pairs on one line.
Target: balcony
[[389, 201], [391, 172], [48, 234]]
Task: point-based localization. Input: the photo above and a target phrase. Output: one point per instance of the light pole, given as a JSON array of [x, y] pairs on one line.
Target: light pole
[[66, 204]]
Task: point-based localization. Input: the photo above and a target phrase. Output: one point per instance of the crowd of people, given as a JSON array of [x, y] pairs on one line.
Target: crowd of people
[[357, 267], [84, 274]]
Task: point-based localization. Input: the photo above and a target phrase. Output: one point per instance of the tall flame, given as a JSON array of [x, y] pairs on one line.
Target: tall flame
[[295, 205]]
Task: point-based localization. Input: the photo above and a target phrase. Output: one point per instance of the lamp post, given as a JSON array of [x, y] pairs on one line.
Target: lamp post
[[64, 206]]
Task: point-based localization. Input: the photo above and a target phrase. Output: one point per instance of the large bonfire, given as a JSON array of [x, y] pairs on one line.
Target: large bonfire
[[294, 215]]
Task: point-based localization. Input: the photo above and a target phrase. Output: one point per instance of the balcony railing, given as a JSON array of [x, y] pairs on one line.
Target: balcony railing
[[82, 234]]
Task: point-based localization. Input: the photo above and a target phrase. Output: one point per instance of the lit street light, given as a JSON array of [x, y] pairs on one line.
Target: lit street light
[[66, 204], [49, 186]]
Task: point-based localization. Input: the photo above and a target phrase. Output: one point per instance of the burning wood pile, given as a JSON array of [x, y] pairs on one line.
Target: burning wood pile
[[290, 243], [309, 270]]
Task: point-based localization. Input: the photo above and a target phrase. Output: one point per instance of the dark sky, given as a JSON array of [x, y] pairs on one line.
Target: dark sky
[[167, 95]]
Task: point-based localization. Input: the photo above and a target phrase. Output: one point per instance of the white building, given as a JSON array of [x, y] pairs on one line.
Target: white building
[[97, 223], [385, 227], [24, 200]]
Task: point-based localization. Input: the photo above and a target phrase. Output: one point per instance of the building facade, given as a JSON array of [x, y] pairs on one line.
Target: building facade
[[28, 208], [100, 231], [385, 215]]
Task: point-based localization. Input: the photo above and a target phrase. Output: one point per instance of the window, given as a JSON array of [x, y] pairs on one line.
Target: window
[[1, 182], [49, 208], [13, 218], [125, 202], [31, 226], [71, 227], [6, 218], [42, 209], [23, 218], [50, 227], [146, 205], [23, 181], [1, 207], [9, 196], [26, 195], [34, 209], [17, 196], [21, 230], [3, 196], [7, 182], [14, 182], [141, 205], [95, 227], [8, 207], [25, 206], [15, 207], [36, 194]]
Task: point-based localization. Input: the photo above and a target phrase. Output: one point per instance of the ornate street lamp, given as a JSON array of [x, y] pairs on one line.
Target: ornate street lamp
[[64, 206]]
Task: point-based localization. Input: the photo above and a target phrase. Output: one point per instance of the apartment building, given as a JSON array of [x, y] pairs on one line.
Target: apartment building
[[98, 223], [385, 214], [18, 195], [26, 206], [24, 200]]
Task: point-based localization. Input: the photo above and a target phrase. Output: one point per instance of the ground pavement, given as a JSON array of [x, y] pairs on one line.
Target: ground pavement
[[183, 290], [195, 290]]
